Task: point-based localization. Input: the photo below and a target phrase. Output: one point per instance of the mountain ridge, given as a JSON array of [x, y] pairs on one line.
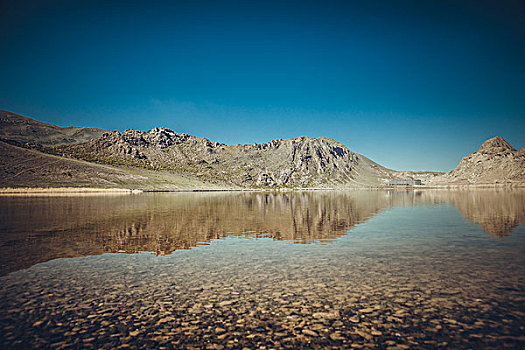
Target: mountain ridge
[[299, 162]]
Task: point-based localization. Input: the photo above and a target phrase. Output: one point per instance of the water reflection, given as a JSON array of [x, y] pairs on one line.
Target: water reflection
[[498, 212], [37, 229]]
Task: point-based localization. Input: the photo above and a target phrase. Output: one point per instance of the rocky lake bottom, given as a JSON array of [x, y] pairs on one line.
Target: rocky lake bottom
[[265, 271]]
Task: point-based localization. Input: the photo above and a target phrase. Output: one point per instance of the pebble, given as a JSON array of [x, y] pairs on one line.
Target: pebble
[[310, 333], [367, 310]]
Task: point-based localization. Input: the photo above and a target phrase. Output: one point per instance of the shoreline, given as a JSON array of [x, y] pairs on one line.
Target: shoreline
[[57, 190], [93, 190]]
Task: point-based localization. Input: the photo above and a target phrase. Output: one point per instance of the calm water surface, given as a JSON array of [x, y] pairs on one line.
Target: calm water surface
[[362, 269]]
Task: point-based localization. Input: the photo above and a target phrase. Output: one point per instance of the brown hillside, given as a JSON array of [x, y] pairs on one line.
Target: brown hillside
[[26, 131]]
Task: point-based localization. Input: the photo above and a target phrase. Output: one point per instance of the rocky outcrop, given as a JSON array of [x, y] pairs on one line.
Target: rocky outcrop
[[496, 161]]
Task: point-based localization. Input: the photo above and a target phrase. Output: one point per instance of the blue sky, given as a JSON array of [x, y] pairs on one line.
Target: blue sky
[[410, 84]]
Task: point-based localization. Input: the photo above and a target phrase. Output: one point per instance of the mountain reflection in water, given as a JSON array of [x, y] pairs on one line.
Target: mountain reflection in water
[[42, 228]]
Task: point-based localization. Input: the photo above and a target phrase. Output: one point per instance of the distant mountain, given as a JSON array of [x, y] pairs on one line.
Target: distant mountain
[[494, 162], [26, 131], [297, 162], [39, 154]]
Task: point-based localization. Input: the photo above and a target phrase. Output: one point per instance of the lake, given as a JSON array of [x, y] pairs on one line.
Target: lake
[[314, 269]]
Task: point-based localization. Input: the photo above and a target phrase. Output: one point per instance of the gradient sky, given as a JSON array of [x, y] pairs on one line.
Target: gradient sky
[[410, 84]]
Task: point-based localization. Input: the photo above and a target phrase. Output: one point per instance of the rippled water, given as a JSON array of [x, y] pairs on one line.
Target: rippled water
[[373, 269]]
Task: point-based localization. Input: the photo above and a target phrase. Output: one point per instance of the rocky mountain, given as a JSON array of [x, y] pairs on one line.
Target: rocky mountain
[[494, 162], [38, 154], [299, 162], [21, 130]]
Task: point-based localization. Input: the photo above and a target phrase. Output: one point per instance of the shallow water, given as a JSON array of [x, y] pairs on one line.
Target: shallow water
[[373, 269]]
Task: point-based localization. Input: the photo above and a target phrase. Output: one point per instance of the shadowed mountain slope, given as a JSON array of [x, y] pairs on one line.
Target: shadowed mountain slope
[[23, 130]]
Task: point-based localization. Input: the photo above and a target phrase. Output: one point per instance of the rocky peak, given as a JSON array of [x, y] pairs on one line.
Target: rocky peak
[[161, 130], [495, 161], [495, 145], [164, 137]]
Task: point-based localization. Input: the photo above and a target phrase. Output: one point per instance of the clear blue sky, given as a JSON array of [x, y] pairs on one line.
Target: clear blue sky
[[410, 84]]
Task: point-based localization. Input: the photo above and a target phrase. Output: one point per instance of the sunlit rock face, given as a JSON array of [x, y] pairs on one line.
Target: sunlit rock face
[[495, 162]]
